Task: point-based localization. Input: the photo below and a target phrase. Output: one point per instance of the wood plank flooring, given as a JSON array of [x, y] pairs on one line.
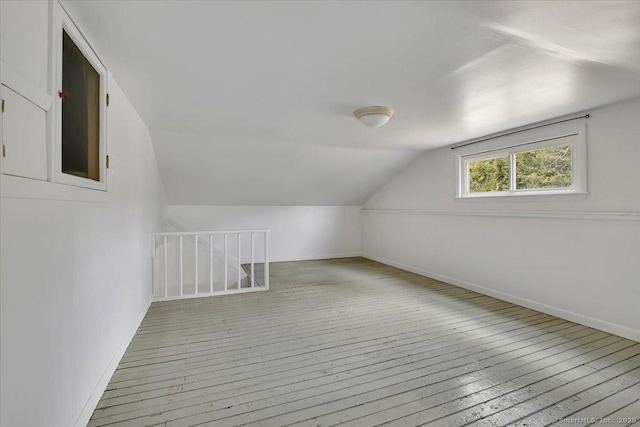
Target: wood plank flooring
[[355, 342]]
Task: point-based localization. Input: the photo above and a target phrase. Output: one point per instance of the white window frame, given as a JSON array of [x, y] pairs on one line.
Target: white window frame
[[522, 142], [62, 21]]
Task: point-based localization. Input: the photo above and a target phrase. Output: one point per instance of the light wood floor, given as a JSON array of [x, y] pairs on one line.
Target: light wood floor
[[354, 342]]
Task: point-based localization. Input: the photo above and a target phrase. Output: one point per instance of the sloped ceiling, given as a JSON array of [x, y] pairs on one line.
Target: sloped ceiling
[[250, 103]]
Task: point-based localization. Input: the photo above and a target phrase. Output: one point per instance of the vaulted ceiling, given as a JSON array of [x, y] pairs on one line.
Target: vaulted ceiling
[[251, 103]]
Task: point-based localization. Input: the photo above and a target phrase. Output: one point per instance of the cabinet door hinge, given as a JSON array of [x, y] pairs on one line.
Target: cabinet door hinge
[[3, 105], [107, 162], [4, 151], [107, 100]]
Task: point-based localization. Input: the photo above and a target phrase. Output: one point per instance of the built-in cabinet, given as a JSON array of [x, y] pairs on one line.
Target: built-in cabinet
[[24, 56], [54, 98], [24, 137]]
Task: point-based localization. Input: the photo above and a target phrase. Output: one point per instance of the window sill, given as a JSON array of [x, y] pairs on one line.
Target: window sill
[[525, 197], [25, 188]]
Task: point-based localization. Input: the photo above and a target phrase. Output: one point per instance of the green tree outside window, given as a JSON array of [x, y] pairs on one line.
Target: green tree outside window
[[545, 168]]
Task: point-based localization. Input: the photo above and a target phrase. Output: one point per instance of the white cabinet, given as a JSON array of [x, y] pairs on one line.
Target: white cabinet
[[24, 62], [55, 91], [24, 137]]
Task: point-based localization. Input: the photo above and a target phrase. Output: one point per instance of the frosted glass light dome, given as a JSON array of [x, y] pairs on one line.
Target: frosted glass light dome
[[373, 117]]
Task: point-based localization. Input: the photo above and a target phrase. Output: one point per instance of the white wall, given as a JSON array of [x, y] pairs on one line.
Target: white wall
[[75, 263], [297, 232], [76, 281], [575, 259]]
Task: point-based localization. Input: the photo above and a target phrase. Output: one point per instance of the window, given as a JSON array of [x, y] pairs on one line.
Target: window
[[548, 162], [487, 175], [80, 113], [80, 151]]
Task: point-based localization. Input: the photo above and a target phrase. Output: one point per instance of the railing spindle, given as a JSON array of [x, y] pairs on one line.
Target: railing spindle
[[253, 282], [166, 269], [226, 263], [266, 259], [211, 263], [196, 257], [181, 275], [239, 264]]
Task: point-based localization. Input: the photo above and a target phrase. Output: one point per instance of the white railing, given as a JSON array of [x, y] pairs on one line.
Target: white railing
[[201, 263]]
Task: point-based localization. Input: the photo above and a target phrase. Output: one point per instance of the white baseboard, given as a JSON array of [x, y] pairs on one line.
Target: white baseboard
[[92, 402], [613, 328], [314, 257]]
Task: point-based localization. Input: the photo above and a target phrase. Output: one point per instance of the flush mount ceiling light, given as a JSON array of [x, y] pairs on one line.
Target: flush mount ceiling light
[[373, 117]]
